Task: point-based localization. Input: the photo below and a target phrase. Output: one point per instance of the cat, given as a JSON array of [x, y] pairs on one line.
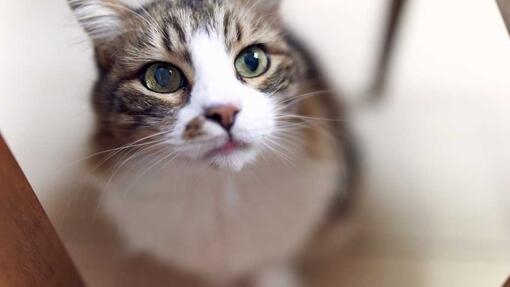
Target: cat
[[224, 151]]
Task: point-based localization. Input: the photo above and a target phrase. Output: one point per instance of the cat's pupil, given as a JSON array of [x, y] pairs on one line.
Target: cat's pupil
[[163, 76], [252, 61]]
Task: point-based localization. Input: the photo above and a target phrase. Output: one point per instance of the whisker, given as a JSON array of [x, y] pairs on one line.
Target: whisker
[[135, 143], [273, 147], [156, 158], [289, 116], [115, 170], [304, 96], [120, 164]]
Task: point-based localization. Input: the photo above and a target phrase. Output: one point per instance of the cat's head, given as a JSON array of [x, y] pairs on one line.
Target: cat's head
[[210, 79]]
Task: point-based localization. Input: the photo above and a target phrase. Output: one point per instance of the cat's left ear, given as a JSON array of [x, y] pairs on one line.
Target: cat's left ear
[[101, 19], [265, 6], [270, 5]]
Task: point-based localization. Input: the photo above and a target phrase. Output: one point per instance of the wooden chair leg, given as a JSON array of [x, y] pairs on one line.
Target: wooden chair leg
[[31, 254], [394, 18]]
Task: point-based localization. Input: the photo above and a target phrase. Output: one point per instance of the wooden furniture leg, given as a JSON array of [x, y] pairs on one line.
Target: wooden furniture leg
[[504, 6], [394, 20], [31, 254]]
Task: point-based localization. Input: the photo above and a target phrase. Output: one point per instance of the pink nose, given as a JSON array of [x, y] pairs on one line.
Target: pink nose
[[225, 115]]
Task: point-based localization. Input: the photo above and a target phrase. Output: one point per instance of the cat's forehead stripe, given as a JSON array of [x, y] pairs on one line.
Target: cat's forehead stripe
[[178, 28], [180, 19]]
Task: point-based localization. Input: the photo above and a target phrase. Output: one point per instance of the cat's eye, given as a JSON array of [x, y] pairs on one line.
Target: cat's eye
[[252, 62], [163, 78]]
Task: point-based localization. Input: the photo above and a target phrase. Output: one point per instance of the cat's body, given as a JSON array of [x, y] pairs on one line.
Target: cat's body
[[232, 173], [225, 226]]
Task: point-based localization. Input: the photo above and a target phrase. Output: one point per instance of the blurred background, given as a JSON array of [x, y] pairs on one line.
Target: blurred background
[[435, 207]]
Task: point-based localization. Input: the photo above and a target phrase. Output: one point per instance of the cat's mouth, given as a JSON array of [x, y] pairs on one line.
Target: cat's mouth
[[229, 147]]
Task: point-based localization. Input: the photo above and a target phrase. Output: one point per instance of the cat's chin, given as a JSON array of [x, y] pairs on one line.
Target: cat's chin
[[235, 160]]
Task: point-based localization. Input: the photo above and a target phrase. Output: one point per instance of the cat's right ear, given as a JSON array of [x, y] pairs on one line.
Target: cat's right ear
[[101, 19]]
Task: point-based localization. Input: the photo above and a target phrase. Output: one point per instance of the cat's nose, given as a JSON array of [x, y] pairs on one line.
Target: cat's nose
[[224, 115]]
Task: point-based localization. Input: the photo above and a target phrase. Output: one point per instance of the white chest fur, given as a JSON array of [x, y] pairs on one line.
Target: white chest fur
[[223, 224]]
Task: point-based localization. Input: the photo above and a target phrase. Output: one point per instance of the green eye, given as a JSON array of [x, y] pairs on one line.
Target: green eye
[[252, 62], [163, 78]]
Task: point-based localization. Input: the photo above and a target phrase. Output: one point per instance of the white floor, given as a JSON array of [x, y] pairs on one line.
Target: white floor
[[436, 209]]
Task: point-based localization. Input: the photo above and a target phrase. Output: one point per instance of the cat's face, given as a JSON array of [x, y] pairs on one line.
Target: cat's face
[[210, 77]]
